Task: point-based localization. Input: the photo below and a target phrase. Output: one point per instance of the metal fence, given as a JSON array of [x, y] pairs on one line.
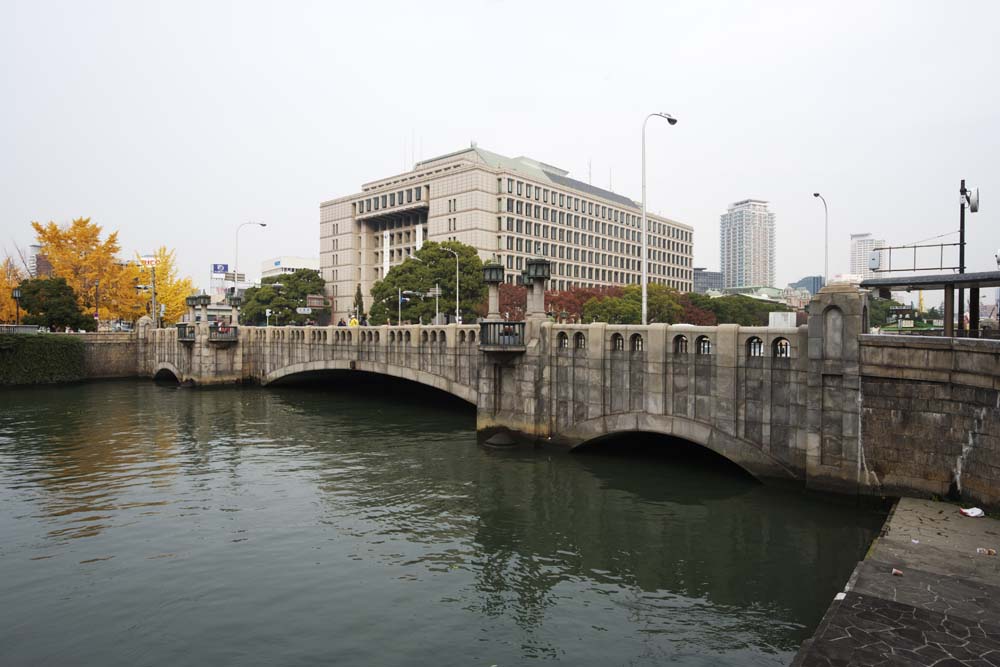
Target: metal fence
[[222, 332], [19, 328], [501, 334]]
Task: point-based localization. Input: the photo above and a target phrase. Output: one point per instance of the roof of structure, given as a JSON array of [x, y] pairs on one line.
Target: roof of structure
[[531, 168], [935, 282]]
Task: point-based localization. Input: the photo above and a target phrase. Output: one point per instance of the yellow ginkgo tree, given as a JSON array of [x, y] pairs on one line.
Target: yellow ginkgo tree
[[101, 280], [11, 276], [171, 290]]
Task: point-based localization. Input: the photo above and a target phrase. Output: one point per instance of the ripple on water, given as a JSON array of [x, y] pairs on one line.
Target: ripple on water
[[295, 527]]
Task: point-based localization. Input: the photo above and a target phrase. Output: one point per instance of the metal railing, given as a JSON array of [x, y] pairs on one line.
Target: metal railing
[[186, 332], [501, 335], [18, 328], [222, 332]]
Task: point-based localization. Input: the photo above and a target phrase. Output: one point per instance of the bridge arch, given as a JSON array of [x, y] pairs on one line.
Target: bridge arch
[[744, 454], [464, 392], [166, 371]]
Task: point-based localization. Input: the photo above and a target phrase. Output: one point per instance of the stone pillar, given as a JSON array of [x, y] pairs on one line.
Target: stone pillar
[[494, 302], [834, 447], [419, 243]]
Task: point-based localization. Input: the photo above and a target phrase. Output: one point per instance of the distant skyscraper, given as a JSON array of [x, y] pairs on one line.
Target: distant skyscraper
[[812, 283], [746, 239], [705, 280], [861, 249]]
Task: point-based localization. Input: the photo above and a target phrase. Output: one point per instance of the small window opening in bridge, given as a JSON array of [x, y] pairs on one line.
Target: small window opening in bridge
[[635, 343], [472, 336], [680, 345], [442, 337], [755, 347], [392, 336], [562, 340], [703, 345], [617, 342], [782, 349], [423, 336], [580, 341], [406, 337], [461, 336]]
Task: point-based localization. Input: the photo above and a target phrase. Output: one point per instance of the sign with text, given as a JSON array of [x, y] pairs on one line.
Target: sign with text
[[220, 268], [304, 311], [148, 260]]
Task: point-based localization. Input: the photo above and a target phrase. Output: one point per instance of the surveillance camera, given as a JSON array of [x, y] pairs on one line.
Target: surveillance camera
[[996, 256]]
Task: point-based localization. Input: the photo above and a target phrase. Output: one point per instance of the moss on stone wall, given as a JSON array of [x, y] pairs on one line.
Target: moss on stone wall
[[40, 359]]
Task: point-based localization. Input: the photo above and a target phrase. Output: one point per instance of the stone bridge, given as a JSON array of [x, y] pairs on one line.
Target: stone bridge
[[822, 404]]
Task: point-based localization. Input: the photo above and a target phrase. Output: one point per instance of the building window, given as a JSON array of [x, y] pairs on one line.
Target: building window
[[519, 190], [418, 193]]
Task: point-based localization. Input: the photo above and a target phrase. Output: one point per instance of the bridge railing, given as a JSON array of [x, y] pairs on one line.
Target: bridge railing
[[501, 335], [222, 332], [18, 328], [186, 332]]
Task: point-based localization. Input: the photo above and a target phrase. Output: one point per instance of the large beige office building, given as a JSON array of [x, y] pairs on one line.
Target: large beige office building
[[510, 209]]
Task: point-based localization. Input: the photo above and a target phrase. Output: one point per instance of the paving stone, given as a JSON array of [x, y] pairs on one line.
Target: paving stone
[[867, 630]]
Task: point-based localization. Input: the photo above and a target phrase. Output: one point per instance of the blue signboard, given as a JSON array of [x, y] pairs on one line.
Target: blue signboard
[[220, 268]]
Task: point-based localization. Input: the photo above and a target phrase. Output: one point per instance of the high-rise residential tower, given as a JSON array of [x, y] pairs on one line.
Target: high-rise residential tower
[[511, 209], [861, 249], [746, 244]]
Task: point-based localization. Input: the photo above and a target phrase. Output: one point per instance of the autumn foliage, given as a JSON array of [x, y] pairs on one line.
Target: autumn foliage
[[102, 281]]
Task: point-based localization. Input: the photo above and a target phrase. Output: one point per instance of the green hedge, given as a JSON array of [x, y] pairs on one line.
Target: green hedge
[[40, 358]]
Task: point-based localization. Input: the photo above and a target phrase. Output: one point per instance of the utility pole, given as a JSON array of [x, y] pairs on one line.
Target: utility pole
[[153, 311], [961, 255]]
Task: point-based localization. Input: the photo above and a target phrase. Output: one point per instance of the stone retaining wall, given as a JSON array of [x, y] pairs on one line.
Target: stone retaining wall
[[930, 416]]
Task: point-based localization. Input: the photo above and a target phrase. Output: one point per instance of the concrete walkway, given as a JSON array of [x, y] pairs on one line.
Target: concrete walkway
[[943, 610]]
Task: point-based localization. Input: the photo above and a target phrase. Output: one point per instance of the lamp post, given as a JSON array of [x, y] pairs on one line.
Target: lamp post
[[458, 313], [97, 303], [16, 295], [645, 250], [493, 276], [826, 239], [236, 263]]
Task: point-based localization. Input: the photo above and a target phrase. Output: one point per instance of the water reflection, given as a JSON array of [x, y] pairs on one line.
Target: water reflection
[[299, 510]]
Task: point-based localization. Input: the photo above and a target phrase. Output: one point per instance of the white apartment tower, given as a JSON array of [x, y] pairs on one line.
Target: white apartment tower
[[861, 249], [511, 209], [746, 244]]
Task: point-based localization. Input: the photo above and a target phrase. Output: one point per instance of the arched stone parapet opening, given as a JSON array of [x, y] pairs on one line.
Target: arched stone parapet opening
[[740, 452]]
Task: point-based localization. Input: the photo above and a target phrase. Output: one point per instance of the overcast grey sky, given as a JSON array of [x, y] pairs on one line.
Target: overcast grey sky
[[173, 122]]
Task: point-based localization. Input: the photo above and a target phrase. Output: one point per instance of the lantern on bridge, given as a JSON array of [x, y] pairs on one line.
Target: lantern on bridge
[[493, 276]]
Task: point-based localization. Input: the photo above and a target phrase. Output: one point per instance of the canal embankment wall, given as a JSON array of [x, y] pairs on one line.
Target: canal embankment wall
[[53, 358], [930, 416]]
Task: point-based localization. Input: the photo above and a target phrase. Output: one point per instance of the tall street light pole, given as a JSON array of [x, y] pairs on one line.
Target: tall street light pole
[[458, 314], [645, 250], [826, 239], [236, 264]]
